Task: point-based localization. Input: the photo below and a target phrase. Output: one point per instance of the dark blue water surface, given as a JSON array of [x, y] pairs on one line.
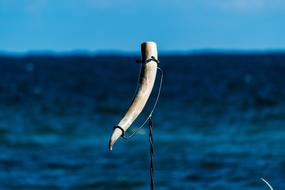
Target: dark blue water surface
[[220, 123]]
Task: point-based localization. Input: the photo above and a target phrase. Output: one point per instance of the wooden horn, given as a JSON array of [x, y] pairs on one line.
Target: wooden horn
[[146, 82]]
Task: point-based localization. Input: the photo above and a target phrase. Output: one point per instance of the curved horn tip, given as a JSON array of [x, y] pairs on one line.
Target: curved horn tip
[[115, 136]]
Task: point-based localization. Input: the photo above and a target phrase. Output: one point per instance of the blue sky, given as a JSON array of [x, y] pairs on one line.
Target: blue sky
[[178, 25]]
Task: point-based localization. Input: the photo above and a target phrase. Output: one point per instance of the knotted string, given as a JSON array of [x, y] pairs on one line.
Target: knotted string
[[151, 168]]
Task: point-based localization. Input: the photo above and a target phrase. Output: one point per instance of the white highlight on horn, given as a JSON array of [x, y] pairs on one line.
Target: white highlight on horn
[[146, 82]]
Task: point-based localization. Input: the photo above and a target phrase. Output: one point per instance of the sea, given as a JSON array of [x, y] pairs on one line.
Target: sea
[[219, 123]]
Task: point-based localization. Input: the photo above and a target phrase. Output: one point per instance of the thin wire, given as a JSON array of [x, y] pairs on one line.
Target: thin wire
[[136, 130], [270, 187]]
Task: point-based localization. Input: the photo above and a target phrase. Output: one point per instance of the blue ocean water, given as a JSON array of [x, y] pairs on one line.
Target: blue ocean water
[[220, 123]]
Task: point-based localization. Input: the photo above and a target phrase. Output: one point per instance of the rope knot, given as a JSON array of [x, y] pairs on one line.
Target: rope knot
[[118, 127], [148, 60]]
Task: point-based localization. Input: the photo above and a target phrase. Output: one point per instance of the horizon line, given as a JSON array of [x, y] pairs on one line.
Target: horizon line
[[135, 53]]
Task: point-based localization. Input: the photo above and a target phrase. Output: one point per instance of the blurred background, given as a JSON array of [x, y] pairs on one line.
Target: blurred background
[[68, 74]]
